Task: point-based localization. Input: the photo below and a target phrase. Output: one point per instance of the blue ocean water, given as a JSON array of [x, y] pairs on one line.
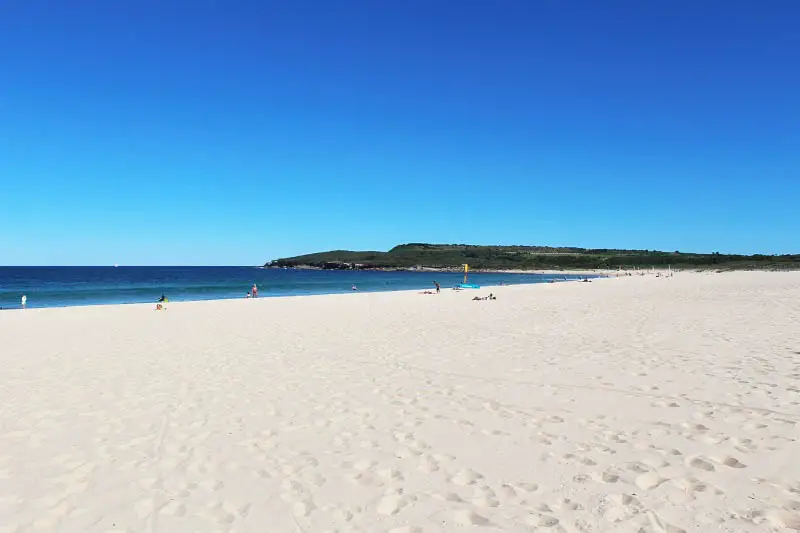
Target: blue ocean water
[[68, 286]]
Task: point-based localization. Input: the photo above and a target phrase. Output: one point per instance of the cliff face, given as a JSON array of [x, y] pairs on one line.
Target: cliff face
[[452, 256]]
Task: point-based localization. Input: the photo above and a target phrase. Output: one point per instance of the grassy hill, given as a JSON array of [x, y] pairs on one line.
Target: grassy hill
[[447, 256]]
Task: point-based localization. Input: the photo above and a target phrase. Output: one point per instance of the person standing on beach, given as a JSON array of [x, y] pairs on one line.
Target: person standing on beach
[[24, 301], [255, 291], [438, 288]]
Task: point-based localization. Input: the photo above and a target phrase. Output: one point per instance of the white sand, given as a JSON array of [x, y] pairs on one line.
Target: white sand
[[635, 405]]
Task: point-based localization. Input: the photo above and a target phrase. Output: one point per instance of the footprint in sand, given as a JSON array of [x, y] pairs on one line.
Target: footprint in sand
[[427, 464], [649, 481], [465, 517], [576, 459], [728, 461], [623, 506], [658, 525], [495, 433], [700, 462], [637, 467], [607, 476], [542, 520], [691, 485], [665, 404], [303, 508], [526, 487], [390, 475], [393, 501], [784, 519], [692, 428], [173, 508], [449, 497], [293, 490], [508, 492], [225, 513], [566, 504], [466, 477], [484, 497]]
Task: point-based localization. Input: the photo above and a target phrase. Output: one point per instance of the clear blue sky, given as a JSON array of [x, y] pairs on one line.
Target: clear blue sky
[[212, 132]]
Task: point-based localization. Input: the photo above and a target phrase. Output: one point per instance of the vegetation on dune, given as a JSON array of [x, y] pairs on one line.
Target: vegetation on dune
[[452, 256]]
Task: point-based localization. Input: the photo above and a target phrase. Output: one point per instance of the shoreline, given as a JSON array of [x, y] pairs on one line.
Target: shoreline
[[264, 295]]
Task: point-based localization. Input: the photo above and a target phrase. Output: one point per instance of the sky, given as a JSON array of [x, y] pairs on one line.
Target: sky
[[203, 132]]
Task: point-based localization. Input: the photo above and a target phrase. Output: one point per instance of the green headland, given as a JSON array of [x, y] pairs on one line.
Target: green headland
[[453, 256]]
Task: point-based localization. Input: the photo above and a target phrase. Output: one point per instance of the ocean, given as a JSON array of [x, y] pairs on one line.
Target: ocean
[[70, 286]]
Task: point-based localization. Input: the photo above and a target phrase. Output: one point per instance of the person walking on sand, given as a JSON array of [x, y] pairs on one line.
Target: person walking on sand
[[438, 288], [24, 301], [254, 291]]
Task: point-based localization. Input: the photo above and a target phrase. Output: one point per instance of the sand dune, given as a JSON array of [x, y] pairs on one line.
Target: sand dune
[[642, 405]]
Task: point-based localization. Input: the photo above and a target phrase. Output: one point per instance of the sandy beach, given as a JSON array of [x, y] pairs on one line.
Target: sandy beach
[[639, 404]]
